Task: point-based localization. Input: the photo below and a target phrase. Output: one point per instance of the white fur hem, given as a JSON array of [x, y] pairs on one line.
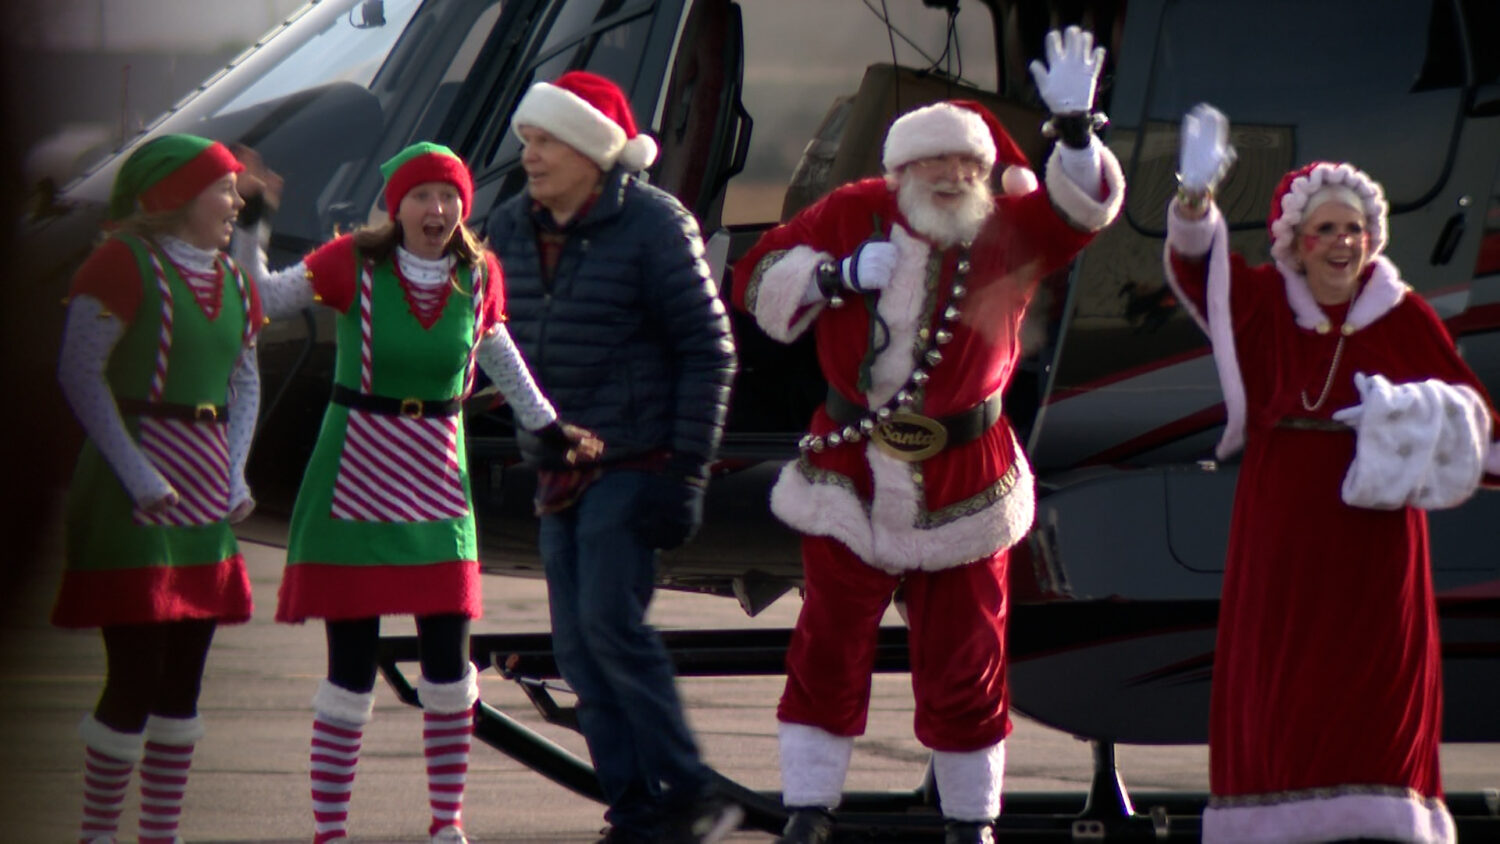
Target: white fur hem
[[174, 731], [887, 535], [449, 698], [351, 707], [778, 307], [814, 763], [1378, 816], [126, 747], [1077, 204], [969, 783]]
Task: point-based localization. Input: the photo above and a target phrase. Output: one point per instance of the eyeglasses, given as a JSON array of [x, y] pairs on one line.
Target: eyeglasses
[[966, 165], [1328, 234]]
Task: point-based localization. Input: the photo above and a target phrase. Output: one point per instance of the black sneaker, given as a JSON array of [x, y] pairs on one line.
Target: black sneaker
[[616, 835], [807, 825], [968, 832], [708, 821]]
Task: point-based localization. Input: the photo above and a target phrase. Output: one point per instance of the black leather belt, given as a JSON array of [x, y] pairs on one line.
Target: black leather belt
[[1309, 423], [964, 426], [387, 406], [205, 412]]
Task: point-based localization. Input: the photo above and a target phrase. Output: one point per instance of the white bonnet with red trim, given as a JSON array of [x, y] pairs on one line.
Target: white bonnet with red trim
[[1289, 204]]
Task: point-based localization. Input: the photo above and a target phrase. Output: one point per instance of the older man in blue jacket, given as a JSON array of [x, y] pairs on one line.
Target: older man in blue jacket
[[612, 304]]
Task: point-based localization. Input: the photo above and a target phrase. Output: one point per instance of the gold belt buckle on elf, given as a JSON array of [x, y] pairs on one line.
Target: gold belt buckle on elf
[[910, 437], [411, 408], [205, 412]]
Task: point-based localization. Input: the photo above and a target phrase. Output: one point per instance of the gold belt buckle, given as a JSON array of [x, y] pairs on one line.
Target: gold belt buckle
[[205, 412], [411, 408], [910, 437]]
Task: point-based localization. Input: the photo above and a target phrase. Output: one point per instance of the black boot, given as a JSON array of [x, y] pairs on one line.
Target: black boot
[[968, 832], [807, 825]]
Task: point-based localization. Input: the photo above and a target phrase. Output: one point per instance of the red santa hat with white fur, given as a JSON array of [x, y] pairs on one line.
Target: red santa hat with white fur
[[962, 126], [590, 114]]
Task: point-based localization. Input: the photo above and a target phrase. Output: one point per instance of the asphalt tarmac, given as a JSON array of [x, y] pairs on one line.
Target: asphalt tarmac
[[249, 776]]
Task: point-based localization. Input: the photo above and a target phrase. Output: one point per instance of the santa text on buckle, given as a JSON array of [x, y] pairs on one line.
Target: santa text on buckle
[[910, 436]]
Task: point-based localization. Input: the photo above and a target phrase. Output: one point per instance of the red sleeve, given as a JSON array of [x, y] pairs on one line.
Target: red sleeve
[[492, 309], [111, 275], [331, 270], [1031, 230]]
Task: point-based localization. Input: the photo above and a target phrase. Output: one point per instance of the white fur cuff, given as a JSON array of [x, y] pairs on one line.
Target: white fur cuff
[[126, 747], [1191, 238], [1077, 204], [449, 698], [779, 306], [969, 783], [350, 707], [174, 731], [814, 763]]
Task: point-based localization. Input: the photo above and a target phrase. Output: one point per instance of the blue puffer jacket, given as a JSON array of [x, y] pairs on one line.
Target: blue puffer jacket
[[630, 338]]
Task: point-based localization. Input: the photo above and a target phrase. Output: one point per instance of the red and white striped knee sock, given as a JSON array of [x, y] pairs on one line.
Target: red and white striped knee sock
[[339, 723], [447, 727], [108, 758], [164, 775]]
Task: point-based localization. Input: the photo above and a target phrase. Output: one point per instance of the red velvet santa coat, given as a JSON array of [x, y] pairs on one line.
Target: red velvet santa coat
[[970, 500], [1327, 697]]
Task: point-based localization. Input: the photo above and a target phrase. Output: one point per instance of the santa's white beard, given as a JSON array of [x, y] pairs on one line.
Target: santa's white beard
[[944, 226]]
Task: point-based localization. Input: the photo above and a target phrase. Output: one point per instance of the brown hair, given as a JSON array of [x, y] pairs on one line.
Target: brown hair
[[379, 242]]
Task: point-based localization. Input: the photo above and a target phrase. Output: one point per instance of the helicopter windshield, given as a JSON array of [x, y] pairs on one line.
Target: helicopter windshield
[[324, 97]]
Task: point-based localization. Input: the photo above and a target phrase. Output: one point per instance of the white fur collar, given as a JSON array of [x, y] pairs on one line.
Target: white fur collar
[[1381, 293]]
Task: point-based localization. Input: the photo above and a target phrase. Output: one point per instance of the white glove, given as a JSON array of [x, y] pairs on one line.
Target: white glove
[[1206, 151], [871, 266], [1066, 83]]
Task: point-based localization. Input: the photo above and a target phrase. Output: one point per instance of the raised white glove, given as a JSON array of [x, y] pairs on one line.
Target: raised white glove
[[1068, 79], [1206, 152], [871, 266]]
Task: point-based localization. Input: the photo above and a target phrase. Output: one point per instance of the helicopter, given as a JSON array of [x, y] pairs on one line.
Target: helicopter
[[761, 107]]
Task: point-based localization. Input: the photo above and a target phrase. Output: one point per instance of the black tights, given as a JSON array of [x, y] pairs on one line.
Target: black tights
[[152, 669], [442, 649]]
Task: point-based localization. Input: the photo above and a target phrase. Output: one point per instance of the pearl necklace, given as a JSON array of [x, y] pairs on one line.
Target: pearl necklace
[[929, 358]]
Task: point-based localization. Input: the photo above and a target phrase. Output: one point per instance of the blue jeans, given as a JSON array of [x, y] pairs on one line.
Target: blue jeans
[[599, 584]]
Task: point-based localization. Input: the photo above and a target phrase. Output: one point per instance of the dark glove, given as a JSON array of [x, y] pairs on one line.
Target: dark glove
[[670, 508]]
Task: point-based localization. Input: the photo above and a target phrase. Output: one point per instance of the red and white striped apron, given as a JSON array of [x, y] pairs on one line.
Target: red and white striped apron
[[395, 468], [193, 455]]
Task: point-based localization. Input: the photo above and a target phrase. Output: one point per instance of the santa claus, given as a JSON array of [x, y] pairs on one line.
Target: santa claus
[[909, 477]]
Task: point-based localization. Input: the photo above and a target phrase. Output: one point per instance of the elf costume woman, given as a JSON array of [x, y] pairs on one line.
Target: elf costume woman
[[384, 523], [158, 364]]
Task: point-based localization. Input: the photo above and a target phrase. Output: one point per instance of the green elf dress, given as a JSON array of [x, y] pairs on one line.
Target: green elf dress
[[383, 523], [170, 373]]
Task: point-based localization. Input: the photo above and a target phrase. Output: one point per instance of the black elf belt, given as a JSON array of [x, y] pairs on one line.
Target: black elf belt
[[386, 406], [201, 412], [911, 436]]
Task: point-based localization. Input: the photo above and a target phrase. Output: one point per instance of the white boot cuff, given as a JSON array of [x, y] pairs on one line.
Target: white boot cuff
[[350, 707], [814, 763], [126, 747], [969, 783], [174, 731], [449, 698]]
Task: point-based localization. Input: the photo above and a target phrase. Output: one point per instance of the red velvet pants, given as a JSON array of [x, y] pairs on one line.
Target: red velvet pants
[[957, 641]]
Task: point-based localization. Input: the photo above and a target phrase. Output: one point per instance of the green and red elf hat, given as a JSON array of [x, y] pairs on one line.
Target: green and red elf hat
[[166, 173], [425, 162]]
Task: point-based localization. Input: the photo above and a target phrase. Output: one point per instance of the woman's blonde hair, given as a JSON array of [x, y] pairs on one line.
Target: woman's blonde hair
[[153, 226]]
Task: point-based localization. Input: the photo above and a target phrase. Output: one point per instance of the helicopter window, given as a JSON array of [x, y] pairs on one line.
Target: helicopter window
[[348, 48], [1383, 93], [606, 47], [794, 76]]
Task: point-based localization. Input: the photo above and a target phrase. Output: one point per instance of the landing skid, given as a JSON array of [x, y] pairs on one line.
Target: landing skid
[[1105, 812]]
